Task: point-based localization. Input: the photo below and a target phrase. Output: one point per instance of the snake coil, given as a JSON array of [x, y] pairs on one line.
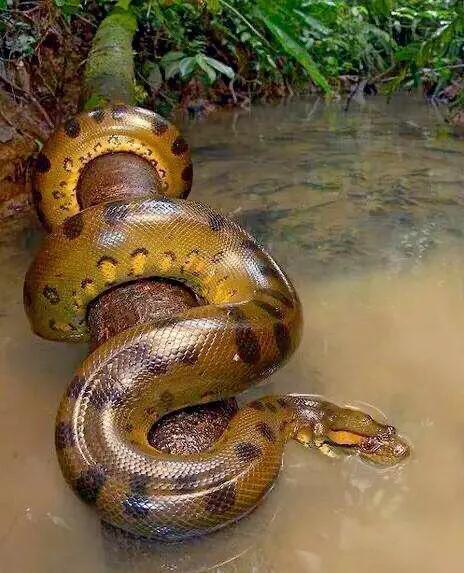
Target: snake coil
[[248, 325]]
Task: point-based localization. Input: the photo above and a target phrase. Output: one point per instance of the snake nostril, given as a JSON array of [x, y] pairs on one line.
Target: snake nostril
[[370, 445]]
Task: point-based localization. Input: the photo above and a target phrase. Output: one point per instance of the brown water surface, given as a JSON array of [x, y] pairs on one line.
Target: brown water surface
[[365, 211]]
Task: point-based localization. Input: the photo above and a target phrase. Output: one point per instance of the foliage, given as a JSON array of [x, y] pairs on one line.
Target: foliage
[[272, 46]]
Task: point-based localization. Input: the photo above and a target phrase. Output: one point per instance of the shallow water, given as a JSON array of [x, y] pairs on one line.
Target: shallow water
[[365, 211]]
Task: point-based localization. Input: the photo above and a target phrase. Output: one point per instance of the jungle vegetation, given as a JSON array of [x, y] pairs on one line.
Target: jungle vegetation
[[231, 51]]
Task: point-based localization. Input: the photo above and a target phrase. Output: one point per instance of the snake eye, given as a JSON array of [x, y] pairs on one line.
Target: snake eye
[[389, 431]]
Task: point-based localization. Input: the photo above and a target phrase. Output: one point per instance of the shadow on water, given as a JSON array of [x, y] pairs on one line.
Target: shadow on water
[[365, 211]]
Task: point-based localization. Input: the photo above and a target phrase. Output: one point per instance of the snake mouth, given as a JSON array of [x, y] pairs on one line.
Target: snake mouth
[[385, 447]]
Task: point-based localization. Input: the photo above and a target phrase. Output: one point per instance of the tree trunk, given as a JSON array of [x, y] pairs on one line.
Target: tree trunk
[[109, 72]]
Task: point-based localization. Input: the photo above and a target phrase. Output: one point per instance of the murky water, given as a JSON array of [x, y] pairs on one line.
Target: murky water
[[366, 212]]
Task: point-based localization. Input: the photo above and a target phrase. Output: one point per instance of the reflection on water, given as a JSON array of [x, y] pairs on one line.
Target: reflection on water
[[365, 211]]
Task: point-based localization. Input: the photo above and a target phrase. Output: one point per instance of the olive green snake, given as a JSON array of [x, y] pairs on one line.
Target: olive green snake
[[249, 323]]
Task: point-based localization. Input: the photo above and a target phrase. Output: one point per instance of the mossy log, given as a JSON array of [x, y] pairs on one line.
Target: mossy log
[[109, 71]]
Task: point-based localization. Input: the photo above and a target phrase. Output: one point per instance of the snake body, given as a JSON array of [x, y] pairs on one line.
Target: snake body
[[248, 324]]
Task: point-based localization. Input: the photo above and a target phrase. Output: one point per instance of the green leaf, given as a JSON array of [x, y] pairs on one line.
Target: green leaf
[[313, 23], [202, 63], [170, 57], [186, 66], [220, 67], [294, 49], [171, 69], [245, 20]]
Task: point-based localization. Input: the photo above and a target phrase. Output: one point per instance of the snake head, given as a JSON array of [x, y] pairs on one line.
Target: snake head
[[333, 429], [355, 432]]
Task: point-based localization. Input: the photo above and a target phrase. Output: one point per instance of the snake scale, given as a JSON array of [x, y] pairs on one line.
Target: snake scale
[[248, 324]]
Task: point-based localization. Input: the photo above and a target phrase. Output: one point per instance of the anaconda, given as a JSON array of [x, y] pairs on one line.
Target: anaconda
[[248, 324]]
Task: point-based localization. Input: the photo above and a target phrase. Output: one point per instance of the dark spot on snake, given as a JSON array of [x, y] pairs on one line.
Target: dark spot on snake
[[139, 251], [187, 173], [51, 294], [270, 406], [136, 506], [43, 220], [279, 296], [89, 484], [97, 115], [73, 226], [157, 365], [158, 126], [86, 282], [282, 402], [171, 255], [115, 212], [139, 483], [266, 431], [247, 452], [251, 245], [150, 411], [282, 338], [166, 399], [247, 344], [236, 313], [273, 311], [27, 297], [106, 260], [217, 222], [221, 500], [179, 146], [75, 387], [258, 406], [42, 163], [52, 324], [268, 270], [186, 483], [64, 436], [190, 355], [218, 257], [68, 164], [119, 111], [104, 396], [72, 128]]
